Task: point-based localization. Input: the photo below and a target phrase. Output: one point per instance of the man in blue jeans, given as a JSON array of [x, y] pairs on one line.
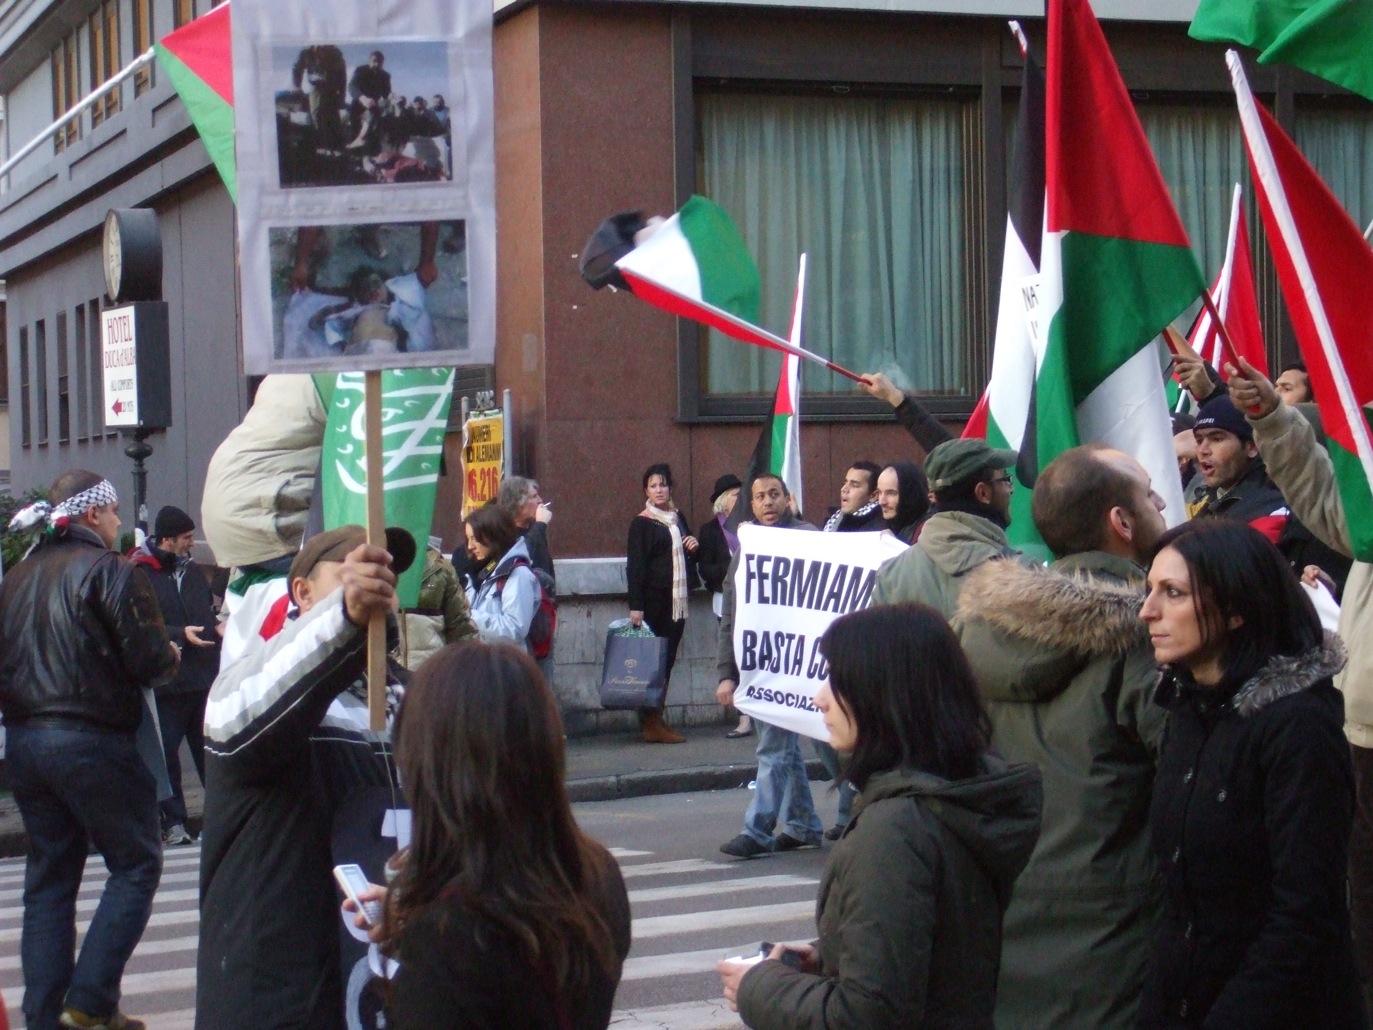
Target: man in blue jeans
[[782, 790], [80, 635]]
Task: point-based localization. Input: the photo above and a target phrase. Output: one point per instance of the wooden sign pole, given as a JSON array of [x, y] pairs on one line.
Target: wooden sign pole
[[376, 536]]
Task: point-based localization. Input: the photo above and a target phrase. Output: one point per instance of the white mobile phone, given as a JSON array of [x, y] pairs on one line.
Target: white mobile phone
[[353, 882]]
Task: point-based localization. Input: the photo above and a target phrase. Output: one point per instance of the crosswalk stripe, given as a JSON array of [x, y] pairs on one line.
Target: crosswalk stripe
[[13, 874], [167, 946], [627, 853], [10, 934], [681, 865], [15, 914], [720, 919], [699, 890], [91, 885], [693, 1015]]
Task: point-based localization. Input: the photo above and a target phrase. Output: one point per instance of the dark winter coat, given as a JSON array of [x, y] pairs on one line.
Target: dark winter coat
[[1065, 669], [184, 596], [910, 907], [80, 634], [1251, 819], [648, 563], [712, 557], [1255, 500]]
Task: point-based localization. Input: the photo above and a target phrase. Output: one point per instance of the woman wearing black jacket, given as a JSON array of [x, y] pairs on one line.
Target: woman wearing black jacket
[[660, 569], [1254, 799]]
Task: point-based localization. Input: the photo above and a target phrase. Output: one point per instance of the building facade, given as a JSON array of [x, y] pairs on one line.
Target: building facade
[[873, 136]]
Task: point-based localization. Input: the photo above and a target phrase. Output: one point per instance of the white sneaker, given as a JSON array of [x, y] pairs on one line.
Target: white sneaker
[[175, 836]]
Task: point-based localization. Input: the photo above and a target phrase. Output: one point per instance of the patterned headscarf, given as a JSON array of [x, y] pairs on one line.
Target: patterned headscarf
[[57, 516]]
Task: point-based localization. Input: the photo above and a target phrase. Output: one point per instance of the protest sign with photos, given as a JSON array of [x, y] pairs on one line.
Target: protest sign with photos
[[788, 588], [365, 169]]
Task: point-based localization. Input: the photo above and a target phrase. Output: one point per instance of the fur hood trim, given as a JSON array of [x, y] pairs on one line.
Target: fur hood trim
[[1285, 675], [1082, 613]]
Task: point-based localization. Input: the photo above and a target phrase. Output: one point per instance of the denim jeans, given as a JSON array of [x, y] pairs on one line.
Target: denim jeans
[[783, 790], [181, 717], [830, 757], [75, 786]]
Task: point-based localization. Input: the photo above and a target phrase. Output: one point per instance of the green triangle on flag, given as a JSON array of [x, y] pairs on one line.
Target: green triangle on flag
[[198, 60]]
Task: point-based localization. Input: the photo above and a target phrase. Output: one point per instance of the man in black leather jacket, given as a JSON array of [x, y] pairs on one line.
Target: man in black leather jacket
[[80, 634]]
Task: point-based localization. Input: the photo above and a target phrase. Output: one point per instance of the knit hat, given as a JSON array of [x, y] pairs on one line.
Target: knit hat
[[171, 521], [1221, 413], [726, 482], [954, 461]]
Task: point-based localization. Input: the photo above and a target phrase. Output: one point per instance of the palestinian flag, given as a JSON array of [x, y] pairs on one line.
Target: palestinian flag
[[1115, 264], [1324, 267], [1236, 300], [1329, 38], [697, 266], [779, 445], [1003, 417], [198, 59]]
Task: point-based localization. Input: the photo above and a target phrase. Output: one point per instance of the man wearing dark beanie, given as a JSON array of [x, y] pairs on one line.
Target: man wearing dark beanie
[[187, 606], [1238, 487]]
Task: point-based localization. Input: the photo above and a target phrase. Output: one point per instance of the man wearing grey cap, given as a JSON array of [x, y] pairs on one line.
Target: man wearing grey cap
[[972, 495], [289, 763]]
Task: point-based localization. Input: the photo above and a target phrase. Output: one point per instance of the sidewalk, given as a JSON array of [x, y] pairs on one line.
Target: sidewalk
[[604, 767]]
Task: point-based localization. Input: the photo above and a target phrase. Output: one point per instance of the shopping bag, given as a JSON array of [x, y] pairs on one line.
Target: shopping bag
[[635, 672]]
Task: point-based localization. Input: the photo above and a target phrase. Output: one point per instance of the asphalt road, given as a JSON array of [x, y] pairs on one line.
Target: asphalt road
[[691, 906]]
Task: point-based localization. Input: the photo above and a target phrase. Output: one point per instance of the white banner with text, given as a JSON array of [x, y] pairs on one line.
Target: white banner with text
[[789, 586]]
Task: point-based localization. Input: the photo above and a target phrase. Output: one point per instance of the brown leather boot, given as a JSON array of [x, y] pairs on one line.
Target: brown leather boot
[[658, 732]]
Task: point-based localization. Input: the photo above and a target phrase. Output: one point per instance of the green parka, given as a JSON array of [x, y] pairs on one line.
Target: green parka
[[932, 570], [1067, 674], [910, 907]]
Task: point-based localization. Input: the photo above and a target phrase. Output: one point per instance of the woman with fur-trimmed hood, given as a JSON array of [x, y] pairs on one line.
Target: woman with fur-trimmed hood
[[1066, 674], [1255, 794]]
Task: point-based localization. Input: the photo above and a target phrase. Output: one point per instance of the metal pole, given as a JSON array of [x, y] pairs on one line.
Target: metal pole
[[508, 432], [139, 450], [78, 110]]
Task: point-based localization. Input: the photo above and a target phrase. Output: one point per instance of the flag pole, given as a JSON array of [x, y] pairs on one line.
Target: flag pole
[[1231, 355], [376, 536]]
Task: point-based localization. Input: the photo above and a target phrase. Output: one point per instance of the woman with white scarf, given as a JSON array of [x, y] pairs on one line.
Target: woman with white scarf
[[661, 569]]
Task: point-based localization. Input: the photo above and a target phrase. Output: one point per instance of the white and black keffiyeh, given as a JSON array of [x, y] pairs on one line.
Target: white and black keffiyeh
[[97, 496]]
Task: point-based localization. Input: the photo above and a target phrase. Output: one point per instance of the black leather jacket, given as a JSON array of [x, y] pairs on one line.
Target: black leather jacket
[[80, 632]]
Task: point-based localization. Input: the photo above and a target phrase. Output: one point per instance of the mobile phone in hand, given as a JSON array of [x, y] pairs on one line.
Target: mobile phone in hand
[[789, 958], [353, 882]]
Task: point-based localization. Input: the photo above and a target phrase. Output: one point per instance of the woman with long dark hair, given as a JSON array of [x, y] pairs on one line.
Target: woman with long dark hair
[[903, 493], [1254, 800], [913, 894], [660, 570], [505, 592], [503, 914]]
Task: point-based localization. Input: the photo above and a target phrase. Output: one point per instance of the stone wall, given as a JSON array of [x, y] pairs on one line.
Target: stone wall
[[591, 595]]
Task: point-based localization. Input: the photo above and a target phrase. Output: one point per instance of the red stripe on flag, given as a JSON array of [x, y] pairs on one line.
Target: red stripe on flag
[[673, 304], [976, 429], [205, 46], [1097, 153], [1270, 526]]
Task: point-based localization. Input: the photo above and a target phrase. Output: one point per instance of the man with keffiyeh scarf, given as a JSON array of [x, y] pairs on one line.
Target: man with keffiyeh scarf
[[80, 637], [660, 570]]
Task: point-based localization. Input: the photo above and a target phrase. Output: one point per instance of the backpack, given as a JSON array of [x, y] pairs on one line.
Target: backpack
[[545, 619]]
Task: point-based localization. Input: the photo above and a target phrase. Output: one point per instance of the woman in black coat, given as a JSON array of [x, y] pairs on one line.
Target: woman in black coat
[[660, 570], [1254, 799]]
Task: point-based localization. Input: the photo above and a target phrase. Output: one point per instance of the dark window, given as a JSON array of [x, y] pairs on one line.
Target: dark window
[[83, 373], [142, 42], [66, 91], [64, 410], [40, 382], [103, 28], [25, 390]]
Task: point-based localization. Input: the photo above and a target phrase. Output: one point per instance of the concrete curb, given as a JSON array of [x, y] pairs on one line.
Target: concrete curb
[[14, 843]]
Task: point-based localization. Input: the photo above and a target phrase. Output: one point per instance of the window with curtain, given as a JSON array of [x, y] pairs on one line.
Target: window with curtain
[[1339, 144], [878, 192], [142, 42], [65, 91]]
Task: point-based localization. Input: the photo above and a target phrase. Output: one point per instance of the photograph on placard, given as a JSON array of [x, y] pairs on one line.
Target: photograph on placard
[[360, 114], [366, 293]]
